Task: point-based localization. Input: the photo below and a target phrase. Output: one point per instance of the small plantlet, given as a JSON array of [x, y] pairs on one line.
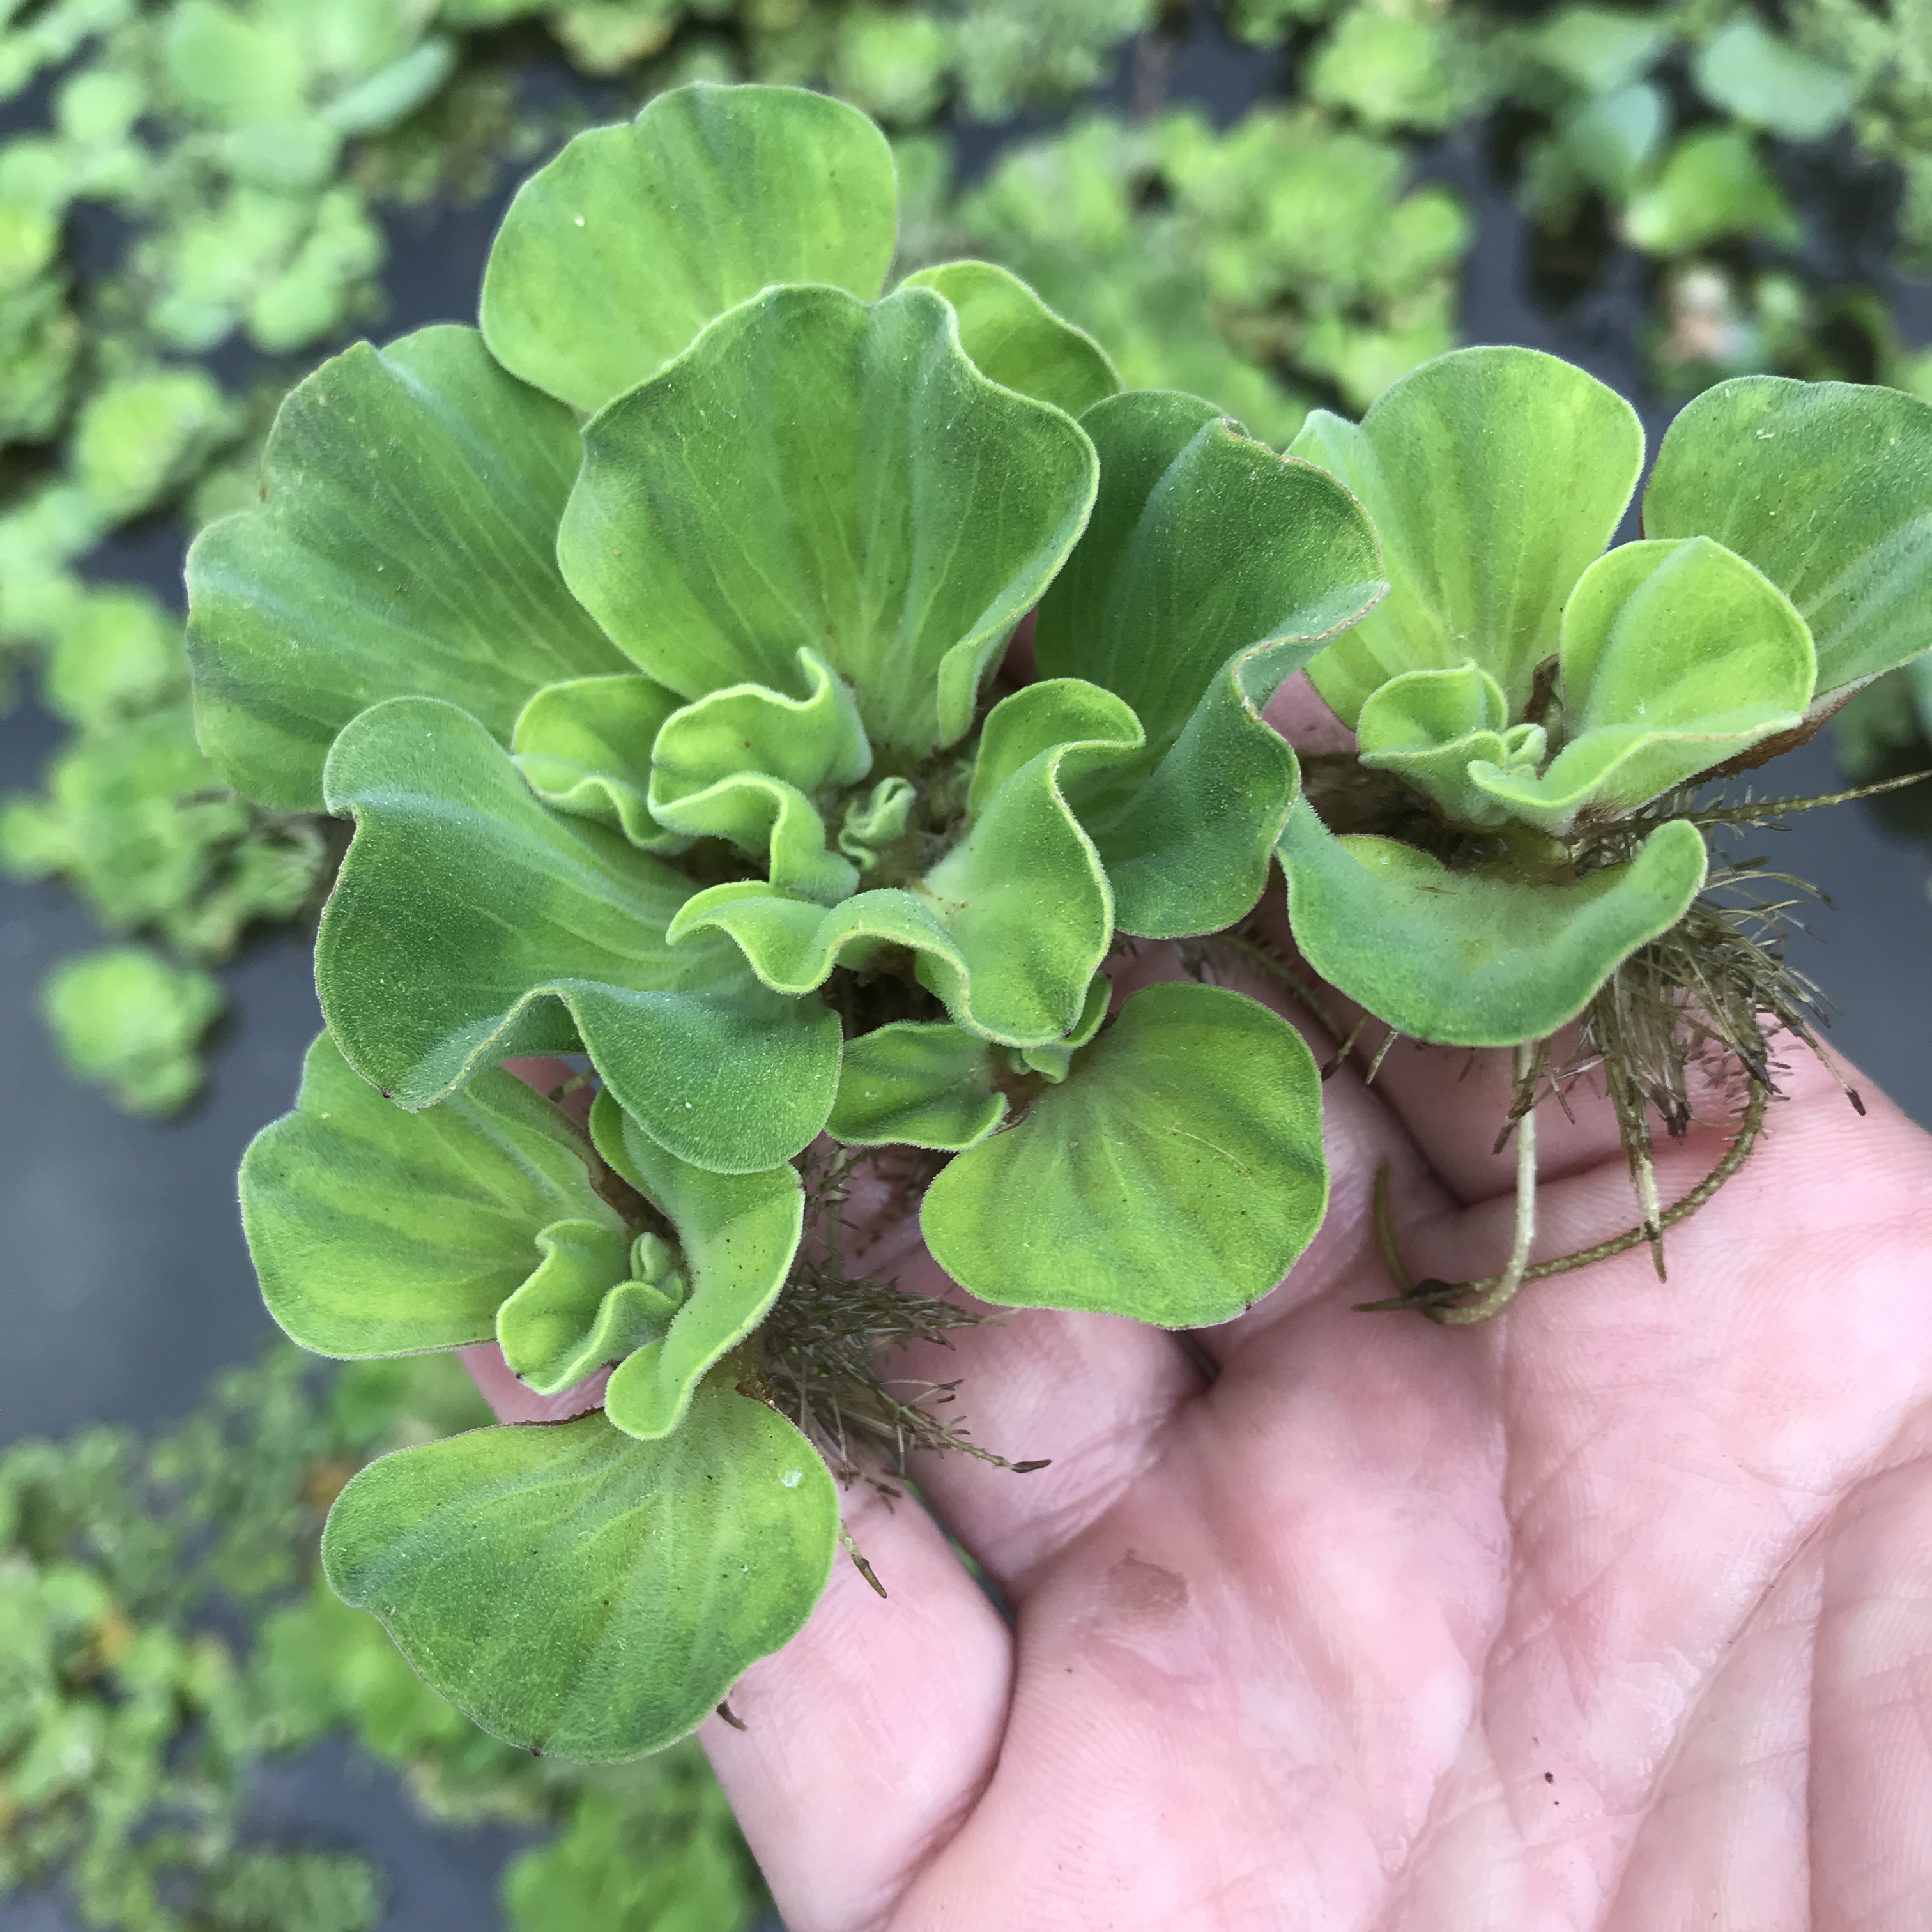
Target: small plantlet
[[1517, 845]]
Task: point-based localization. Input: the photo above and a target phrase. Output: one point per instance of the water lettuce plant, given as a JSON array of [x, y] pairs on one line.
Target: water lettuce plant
[[1517, 842], [653, 636]]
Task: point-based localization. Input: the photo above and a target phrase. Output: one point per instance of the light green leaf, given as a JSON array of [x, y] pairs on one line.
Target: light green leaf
[[1011, 926], [1473, 958], [613, 257], [928, 1084], [1827, 488], [405, 545], [470, 923], [1212, 570], [579, 1593], [1055, 1060], [584, 747], [580, 1308], [1429, 727], [815, 471], [743, 763], [1015, 340], [1677, 655], [379, 1232], [1174, 1176], [1713, 184], [737, 1232], [1744, 71], [1493, 478]]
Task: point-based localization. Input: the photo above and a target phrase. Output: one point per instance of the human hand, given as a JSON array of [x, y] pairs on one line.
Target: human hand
[[1614, 1612]]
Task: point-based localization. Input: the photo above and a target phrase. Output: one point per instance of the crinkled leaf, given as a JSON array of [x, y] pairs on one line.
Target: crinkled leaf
[[926, 1084], [613, 257], [584, 747], [815, 471], [1055, 1059], [1011, 926], [379, 1232], [405, 545], [1827, 488], [1014, 339], [1494, 477], [1211, 571], [737, 1233], [1174, 1176], [743, 763], [1676, 656], [581, 1307], [1470, 959], [470, 922], [1428, 726], [582, 1594]]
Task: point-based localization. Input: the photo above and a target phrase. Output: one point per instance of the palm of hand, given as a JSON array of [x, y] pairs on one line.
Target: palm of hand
[[1615, 1613]]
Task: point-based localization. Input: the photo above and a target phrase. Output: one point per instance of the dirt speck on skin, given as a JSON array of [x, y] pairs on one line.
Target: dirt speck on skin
[[1139, 1588]]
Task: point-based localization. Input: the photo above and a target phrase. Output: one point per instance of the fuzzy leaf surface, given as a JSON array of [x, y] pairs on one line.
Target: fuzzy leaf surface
[[1016, 340], [1174, 1176], [379, 1232], [814, 471], [613, 257], [926, 1084], [1676, 656], [737, 1233], [584, 747], [470, 922], [1827, 488], [1430, 727], [406, 545], [1211, 571], [1466, 958], [1010, 926], [577, 1592], [581, 1307], [1494, 477], [743, 763]]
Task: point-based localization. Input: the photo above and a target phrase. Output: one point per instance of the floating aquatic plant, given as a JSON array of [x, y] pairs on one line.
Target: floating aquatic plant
[[652, 637]]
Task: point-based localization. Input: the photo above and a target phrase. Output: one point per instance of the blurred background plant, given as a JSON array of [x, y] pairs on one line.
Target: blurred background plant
[[199, 199]]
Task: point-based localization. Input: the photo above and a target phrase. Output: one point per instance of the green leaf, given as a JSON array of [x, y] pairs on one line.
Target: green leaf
[[125, 1018], [1677, 655], [614, 257], [579, 1593], [737, 1233], [1016, 340], [1174, 1178], [584, 747], [743, 764], [379, 1232], [1827, 488], [1470, 959], [1493, 478], [815, 471], [406, 545], [1713, 184], [1212, 570], [1744, 70], [925, 1083], [470, 923], [581, 1308], [1011, 926], [1430, 727]]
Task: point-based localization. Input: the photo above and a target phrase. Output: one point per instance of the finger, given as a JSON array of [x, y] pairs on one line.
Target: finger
[[515, 1401], [867, 1739]]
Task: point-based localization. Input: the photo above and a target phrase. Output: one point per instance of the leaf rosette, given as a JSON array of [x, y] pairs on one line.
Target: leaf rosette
[[653, 637], [1533, 712]]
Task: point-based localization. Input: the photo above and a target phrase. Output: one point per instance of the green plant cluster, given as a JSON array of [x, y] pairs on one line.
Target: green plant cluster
[[131, 1732]]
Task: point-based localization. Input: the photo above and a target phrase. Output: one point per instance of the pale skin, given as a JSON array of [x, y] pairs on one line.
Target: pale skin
[[1613, 1613]]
